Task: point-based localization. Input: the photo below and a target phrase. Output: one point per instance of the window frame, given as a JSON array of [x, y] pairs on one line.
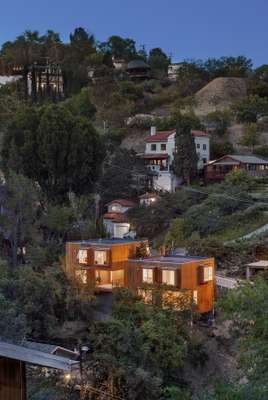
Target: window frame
[[105, 262], [174, 277], [153, 147], [151, 278]]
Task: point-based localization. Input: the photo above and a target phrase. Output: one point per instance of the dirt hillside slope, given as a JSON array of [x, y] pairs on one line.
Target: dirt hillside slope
[[219, 94]]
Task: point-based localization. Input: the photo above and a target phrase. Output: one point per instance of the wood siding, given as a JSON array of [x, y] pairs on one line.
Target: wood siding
[[12, 379]]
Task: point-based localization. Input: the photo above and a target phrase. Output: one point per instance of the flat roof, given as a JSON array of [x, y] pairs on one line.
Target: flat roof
[[106, 242], [36, 357], [259, 264], [174, 259]]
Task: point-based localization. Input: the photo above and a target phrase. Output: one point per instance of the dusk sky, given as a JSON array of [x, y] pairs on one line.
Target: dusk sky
[[184, 28]]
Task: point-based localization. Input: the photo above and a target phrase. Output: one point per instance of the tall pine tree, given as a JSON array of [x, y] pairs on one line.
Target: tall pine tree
[[185, 159]]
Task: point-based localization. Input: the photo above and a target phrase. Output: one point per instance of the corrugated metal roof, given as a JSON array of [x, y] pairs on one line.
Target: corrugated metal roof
[[242, 159], [36, 357]]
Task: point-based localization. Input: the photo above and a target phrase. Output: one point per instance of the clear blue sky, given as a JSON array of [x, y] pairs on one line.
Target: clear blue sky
[[184, 28]]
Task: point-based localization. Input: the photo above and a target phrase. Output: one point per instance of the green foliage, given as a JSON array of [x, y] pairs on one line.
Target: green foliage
[[250, 109], [250, 136], [38, 303], [158, 62], [185, 159], [141, 350], [239, 67], [66, 150], [191, 76], [219, 148], [220, 121], [124, 176], [119, 48], [247, 307], [175, 236], [261, 151], [18, 222]]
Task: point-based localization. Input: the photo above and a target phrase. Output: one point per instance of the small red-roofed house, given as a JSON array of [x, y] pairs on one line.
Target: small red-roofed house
[[115, 220]]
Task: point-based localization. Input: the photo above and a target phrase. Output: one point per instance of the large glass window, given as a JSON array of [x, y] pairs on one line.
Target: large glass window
[[208, 274], [147, 275], [82, 256], [168, 277], [100, 257]]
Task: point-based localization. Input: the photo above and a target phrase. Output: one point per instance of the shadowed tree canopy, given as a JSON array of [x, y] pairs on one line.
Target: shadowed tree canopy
[[185, 159], [158, 61], [60, 151], [119, 47]]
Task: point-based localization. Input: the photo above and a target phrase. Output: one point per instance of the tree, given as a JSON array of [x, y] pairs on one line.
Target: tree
[[250, 109], [22, 53], [66, 150], [175, 236], [18, 220], [158, 62], [124, 176], [219, 121], [140, 353], [246, 307], [250, 136], [191, 77], [119, 48], [185, 159], [228, 66]]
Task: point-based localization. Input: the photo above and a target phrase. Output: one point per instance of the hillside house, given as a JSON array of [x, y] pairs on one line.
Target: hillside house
[[216, 170], [115, 220], [106, 264], [159, 155], [173, 70], [99, 262], [13, 361], [138, 70]]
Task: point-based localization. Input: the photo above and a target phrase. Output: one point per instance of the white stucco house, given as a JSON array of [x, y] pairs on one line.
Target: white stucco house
[[159, 155], [116, 221]]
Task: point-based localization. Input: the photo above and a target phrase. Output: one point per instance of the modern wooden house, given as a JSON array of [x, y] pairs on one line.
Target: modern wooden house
[[216, 170], [13, 360], [95, 262], [106, 264]]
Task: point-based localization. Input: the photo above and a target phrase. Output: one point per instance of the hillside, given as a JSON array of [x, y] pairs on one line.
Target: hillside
[[219, 94]]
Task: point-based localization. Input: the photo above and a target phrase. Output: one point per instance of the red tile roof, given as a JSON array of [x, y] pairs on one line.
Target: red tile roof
[[116, 217], [199, 133], [163, 136], [123, 202]]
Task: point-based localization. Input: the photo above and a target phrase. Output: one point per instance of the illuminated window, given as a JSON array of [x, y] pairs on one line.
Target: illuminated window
[[195, 298], [208, 274], [81, 275], [100, 257], [82, 256], [147, 275], [168, 277]]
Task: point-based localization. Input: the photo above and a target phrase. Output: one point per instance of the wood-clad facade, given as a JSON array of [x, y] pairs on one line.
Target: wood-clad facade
[[121, 267], [12, 379]]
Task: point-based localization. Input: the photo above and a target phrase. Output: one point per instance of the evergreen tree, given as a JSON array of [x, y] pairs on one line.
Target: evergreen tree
[[185, 159]]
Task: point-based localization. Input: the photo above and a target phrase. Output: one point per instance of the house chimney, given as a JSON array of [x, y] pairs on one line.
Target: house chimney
[[153, 130]]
